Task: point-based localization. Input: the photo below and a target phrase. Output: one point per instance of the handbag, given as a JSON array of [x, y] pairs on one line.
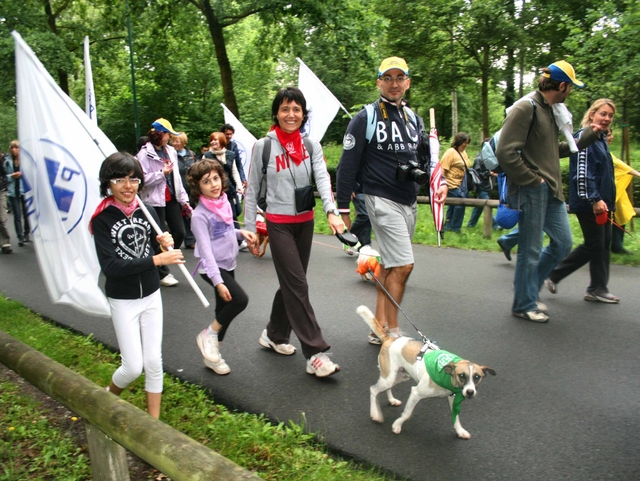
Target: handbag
[[305, 199], [471, 179], [506, 217]]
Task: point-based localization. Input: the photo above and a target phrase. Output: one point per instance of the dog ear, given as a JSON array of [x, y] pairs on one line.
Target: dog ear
[[450, 368], [487, 369]]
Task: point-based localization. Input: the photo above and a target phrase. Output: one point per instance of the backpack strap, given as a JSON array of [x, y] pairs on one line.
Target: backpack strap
[[371, 120]]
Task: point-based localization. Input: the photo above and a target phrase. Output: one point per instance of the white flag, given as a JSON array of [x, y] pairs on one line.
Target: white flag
[[89, 95], [61, 153], [321, 103], [242, 137]]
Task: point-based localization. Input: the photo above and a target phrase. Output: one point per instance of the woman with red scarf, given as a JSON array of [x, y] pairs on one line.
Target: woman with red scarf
[[293, 162]]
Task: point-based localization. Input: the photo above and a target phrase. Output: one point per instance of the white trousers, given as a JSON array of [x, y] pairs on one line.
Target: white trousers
[[138, 326]]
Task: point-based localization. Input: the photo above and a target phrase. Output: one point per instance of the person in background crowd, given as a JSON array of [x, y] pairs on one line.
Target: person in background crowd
[[227, 158], [15, 192], [204, 148], [592, 197], [129, 258], [529, 153], [163, 187], [186, 158], [217, 249], [228, 130], [290, 219], [455, 163], [482, 190], [624, 208], [5, 239]]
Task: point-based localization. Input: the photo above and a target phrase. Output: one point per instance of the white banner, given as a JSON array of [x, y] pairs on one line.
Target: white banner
[[61, 153], [242, 137], [321, 103], [89, 94]]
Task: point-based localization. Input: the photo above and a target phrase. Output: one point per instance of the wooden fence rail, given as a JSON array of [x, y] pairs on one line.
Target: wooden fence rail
[[110, 419]]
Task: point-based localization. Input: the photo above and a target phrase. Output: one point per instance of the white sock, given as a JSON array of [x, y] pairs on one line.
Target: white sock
[[211, 332]]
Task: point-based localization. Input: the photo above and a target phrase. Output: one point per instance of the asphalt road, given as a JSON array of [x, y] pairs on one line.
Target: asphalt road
[[563, 406]]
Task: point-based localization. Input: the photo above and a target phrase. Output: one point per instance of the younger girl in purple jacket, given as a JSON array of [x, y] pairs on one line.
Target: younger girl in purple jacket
[[217, 248]]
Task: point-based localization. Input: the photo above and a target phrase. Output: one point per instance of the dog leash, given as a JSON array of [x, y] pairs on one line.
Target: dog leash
[[428, 343]]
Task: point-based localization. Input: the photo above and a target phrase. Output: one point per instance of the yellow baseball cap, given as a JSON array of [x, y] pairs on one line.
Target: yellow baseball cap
[[562, 71], [391, 63], [163, 125]]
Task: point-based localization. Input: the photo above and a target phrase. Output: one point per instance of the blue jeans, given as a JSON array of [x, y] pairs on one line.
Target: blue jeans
[[475, 213], [541, 213], [361, 226], [455, 213], [510, 240], [20, 219]]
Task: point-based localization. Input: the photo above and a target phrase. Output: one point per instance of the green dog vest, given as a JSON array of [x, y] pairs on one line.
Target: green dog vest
[[435, 361]]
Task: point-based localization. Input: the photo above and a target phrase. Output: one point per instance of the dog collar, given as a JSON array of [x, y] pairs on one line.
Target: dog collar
[[434, 362]]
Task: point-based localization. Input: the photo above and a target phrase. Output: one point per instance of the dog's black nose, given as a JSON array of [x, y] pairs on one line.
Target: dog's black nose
[[469, 393]]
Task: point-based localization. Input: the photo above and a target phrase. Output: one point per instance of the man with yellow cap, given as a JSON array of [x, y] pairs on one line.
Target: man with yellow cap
[[380, 160], [529, 153]]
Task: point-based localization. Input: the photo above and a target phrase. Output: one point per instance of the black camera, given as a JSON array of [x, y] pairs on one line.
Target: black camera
[[411, 171]]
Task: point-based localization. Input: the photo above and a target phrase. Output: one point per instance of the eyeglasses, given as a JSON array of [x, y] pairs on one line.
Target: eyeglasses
[[389, 79], [131, 180]]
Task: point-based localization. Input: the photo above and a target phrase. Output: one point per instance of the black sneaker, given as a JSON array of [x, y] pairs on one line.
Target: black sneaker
[[505, 251]]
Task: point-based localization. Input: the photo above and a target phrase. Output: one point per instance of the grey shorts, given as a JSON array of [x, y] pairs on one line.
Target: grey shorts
[[394, 225]]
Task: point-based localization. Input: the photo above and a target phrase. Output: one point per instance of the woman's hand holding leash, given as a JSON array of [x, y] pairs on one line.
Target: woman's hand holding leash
[[335, 223]]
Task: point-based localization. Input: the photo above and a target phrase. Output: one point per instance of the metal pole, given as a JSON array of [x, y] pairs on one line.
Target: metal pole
[[133, 75]]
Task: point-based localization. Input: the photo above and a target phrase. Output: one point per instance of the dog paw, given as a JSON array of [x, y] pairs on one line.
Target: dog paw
[[396, 427], [395, 402], [463, 434], [379, 418]]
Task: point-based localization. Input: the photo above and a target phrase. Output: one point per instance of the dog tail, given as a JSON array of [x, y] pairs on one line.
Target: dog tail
[[372, 322]]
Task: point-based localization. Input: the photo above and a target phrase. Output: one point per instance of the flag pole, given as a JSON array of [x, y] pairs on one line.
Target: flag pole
[[184, 270], [432, 125]]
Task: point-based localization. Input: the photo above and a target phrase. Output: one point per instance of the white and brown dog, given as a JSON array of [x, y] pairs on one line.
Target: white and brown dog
[[438, 374]]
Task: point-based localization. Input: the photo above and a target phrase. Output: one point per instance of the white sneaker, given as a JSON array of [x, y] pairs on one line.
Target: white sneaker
[[534, 316], [168, 281], [320, 365], [221, 368], [244, 246], [284, 349], [208, 345], [542, 307]]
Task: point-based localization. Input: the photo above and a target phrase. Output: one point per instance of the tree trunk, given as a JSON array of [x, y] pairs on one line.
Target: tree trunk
[[510, 92], [226, 76], [486, 66], [63, 77]]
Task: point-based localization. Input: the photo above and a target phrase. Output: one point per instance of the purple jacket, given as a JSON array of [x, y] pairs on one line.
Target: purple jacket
[[216, 242], [154, 180]]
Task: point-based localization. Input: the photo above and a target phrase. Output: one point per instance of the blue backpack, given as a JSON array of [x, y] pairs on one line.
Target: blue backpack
[[488, 153]]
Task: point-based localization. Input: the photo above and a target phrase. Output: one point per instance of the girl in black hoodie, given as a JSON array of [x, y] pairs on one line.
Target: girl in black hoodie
[[129, 254]]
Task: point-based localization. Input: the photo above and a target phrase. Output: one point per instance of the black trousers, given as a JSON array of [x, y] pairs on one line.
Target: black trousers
[[171, 221], [595, 250], [228, 311], [291, 310]]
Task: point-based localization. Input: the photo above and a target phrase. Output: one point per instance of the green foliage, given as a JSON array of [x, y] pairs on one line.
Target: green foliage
[[275, 451], [33, 440]]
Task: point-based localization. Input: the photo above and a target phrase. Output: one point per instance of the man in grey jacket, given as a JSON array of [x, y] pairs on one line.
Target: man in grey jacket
[[529, 153]]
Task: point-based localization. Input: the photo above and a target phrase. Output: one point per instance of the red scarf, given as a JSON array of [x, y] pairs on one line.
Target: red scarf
[[292, 144], [127, 210]]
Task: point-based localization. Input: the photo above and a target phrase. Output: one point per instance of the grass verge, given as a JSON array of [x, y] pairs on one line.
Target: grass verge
[[472, 238], [33, 448]]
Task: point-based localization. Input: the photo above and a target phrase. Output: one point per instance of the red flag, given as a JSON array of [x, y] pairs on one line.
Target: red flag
[[436, 180]]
